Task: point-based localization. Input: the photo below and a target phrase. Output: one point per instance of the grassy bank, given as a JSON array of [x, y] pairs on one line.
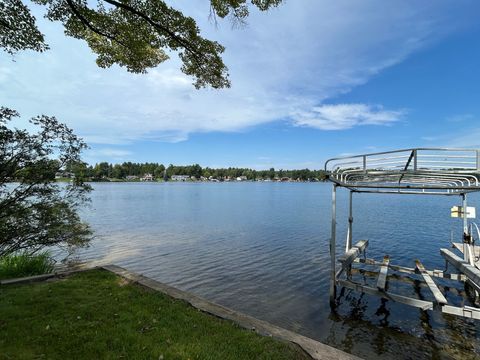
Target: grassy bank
[[96, 314], [20, 265]]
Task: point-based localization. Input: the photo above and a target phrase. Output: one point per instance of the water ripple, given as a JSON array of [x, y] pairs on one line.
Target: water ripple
[[262, 248]]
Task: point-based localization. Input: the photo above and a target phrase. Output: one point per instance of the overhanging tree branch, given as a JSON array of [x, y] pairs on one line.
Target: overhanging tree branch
[[183, 43], [80, 17], [135, 34]]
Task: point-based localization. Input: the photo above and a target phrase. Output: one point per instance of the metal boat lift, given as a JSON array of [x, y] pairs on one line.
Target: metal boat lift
[[421, 171]]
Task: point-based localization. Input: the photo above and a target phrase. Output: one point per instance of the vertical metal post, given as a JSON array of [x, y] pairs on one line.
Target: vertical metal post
[[415, 160], [332, 247], [350, 221], [466, 247]]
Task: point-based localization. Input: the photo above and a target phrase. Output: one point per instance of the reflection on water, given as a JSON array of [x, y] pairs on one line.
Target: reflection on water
[[262, 249]]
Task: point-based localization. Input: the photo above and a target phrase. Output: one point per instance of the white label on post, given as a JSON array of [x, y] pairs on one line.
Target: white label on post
[[457, 212]]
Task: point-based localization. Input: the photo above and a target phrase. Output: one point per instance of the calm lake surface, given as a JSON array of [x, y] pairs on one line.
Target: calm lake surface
[[262, 249]]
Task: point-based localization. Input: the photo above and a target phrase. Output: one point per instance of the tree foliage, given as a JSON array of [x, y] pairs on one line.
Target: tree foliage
[[135, 34], [36, 212], [104, 170], [17, 28]]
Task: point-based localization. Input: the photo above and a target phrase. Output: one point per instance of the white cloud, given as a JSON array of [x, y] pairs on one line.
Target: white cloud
[[107, 154], [287, 61], [116, 153], [346, 116]]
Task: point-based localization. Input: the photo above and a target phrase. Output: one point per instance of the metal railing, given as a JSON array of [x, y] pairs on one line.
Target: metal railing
[[418, 170]]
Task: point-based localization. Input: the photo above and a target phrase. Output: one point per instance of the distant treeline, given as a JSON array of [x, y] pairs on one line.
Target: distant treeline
[[105, 170]]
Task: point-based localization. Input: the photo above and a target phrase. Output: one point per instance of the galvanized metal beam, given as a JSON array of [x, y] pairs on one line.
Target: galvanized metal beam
[[347, 258], [350, 223], [332, 247], [408, 270], [472, 273], [431, 284], [466, 311], [422, 304], [382, 275]]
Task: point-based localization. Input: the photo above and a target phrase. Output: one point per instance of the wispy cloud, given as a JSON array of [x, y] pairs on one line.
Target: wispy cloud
[[107, 154], [430, 138], [346, 116], [461, 118], [463, 134], [465, 139], [288, 61]]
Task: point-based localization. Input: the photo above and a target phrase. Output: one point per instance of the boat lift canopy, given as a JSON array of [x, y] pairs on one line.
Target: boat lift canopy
[[422, 171]]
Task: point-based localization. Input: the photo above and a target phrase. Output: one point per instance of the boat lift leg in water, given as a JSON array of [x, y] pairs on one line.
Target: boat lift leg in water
[[425, 172], [332, 247]]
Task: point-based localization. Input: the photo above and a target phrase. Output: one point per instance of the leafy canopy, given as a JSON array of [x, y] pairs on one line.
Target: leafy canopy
[[135, 34], [35, 211]]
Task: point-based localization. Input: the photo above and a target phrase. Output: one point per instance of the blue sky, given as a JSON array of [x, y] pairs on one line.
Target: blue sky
[[311, 80]]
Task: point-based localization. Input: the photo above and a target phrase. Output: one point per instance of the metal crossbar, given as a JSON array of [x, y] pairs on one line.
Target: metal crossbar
[[440, 302]]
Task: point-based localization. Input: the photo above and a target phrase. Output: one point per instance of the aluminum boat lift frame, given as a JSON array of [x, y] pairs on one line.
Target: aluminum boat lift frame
[[422, 171]]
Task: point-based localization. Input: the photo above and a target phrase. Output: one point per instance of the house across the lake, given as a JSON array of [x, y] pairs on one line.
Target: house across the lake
[[147, 177], [180, 177], [64, 174]]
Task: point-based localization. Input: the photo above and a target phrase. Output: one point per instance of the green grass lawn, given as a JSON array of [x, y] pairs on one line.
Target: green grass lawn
[[98, 315]]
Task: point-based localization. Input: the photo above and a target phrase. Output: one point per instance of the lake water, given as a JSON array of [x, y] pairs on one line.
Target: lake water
[[262, 249]]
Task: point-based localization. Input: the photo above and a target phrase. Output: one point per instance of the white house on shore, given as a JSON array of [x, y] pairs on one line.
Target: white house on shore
[[180, 177], [147, 177], [64, 174]]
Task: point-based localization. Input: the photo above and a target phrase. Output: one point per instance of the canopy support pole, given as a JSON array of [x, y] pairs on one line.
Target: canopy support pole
[[466, 244], [350, 222], [333, 277]]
